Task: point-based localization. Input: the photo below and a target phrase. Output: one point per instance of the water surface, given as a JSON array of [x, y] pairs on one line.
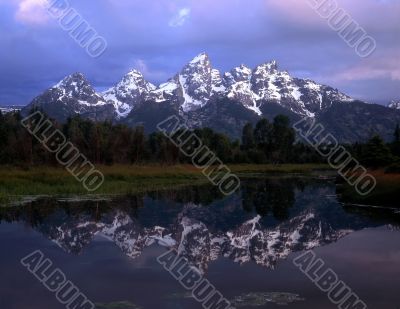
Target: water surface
[[244, 244]]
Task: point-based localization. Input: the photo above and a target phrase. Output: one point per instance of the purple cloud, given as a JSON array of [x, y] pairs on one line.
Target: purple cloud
[[36, 53]]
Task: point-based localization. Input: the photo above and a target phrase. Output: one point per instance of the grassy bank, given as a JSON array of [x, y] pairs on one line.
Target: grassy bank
[[245, 169], [119, 179], [386, 192]]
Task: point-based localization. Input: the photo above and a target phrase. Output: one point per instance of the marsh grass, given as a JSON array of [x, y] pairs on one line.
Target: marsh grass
[[119, 179], [277, 168]]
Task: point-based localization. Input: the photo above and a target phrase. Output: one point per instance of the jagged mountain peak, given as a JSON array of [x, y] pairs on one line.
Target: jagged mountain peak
[[199, 64], [271, 65], [201, 58], [268, 68], [73, 95], [134, 80], [194, 83], [193, 86], [134, 72], [76, 86], [130, 91], [239, 74], [76, 78], [133, 75]]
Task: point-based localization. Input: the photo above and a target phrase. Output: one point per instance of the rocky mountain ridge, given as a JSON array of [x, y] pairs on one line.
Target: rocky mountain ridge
[[194, 86], [203, 96]]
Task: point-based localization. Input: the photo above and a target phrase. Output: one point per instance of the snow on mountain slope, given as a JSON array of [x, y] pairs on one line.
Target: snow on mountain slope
[[193, 87], [217, 82], [73, 95], [77, 87], [239, 87], [303, 97], [131, 90], [394, 104], [198, 83]]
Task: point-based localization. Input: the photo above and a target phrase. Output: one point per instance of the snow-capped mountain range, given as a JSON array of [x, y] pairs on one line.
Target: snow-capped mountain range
[[194, 86], [204, 96]]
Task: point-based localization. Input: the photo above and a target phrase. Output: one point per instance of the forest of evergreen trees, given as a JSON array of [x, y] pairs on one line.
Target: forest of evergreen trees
[[105, 143]]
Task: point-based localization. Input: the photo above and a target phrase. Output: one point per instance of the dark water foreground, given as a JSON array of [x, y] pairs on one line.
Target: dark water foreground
[[244, 244]]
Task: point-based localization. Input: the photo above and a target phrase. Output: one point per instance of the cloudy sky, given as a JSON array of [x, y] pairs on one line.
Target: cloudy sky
[[159, 36]]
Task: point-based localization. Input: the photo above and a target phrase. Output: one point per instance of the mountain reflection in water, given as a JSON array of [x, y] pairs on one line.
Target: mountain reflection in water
[[264, 222]]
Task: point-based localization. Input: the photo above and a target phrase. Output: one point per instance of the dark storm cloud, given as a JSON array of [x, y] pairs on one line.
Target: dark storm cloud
[[159, 37]]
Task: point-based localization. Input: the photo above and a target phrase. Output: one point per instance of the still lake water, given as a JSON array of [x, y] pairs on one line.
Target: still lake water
[[244, 244]]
